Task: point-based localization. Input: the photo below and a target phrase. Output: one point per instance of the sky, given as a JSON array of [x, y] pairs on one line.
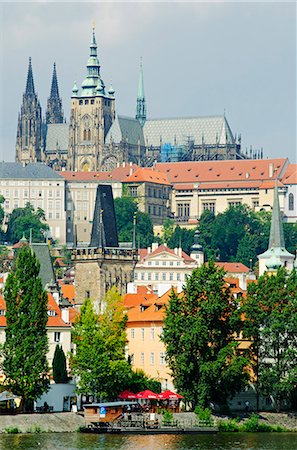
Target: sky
[[199, 59]]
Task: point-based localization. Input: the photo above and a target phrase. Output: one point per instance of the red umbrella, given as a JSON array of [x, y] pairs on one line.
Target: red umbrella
[[147, 394], [127, 395], [169, 395]]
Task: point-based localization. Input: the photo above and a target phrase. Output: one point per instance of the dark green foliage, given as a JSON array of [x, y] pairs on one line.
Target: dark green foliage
[[125, 208], [270, 310], [25, 350], [240, 234], [181, 237], [21, 220], [199, 332], [138, 381], [2, 199], [204, 416], [59, 366]]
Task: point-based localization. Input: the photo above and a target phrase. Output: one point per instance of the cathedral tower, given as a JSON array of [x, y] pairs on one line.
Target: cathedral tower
[[141, 105], [54, 112], [29, 129], [92, 113]]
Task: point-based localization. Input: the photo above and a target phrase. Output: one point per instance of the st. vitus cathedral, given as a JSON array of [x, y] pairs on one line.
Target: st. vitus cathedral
[[98, 139]]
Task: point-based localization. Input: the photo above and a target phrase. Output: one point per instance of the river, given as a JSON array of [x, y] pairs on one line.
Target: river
[[222, 441]]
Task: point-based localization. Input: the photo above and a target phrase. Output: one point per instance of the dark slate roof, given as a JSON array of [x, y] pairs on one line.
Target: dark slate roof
[[46, 271], [57, 137], [125, 129], [37, 171]]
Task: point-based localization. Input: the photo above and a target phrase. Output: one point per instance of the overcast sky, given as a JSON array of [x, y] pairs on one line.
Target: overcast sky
[[199, 59]]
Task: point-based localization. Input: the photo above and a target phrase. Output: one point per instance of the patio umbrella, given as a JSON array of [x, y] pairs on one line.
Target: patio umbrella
[[127, 395], [169, 395], [147, 394]]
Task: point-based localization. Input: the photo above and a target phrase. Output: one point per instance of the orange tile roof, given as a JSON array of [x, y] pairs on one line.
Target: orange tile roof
[[163, 248], [117, 174], [233, 267], [149, 176], [131, 300], [73, 314], [290, 176], [68, 291], [231, 170]]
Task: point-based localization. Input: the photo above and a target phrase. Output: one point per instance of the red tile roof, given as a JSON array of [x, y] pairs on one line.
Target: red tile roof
[[290, 176], [68, 291], [149, 176], [233, 267], [231, 170], [117, 174], [143, 253]]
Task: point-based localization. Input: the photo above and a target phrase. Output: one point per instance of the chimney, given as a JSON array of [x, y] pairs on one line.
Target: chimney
[[65, 315], [176, 251], [271, 170], [247, 175], [180, 252], [154, 246]]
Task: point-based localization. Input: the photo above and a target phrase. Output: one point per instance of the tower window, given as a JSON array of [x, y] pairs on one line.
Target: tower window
[[86, 102], [92, 101], [80, 102]]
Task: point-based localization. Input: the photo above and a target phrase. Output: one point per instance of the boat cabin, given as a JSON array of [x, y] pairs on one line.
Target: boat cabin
[[96, 413]]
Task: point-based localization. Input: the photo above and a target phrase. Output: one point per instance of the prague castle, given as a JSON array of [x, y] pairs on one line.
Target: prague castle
[[98, 139]]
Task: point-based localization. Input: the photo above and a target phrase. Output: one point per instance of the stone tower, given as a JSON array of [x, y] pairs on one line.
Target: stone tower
[[92, 113], [141, 105], [54, 112], [29, 129]]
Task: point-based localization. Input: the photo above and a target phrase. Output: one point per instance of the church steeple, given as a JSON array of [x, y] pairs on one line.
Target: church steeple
[[93, 79], [54, 112], [30, 91], [276, 255], [29, 129], [141, 105]]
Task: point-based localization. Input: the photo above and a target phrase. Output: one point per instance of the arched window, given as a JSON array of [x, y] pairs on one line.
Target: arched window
[[89, 135], [85, 135], [291, 202]]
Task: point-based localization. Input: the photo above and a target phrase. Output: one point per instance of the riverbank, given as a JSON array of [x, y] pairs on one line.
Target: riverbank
[[71, 422]]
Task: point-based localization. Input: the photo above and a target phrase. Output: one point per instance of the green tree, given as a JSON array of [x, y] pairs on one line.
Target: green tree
[[21, 220], [2, 199], [59, 366], [138, 381], [99, 361], [182, 237], [125, 208], [206, 223], [24, 353], [270, 310], [167, 230], [199, 332]]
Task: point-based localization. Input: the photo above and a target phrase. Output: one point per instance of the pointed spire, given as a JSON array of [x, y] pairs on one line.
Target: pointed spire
[[276, 238], [54, 87], [30, 82], [54, 112], [141, 105]]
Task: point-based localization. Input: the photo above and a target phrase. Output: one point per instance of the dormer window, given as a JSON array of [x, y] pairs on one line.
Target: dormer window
[[2, 312], [51, 312]]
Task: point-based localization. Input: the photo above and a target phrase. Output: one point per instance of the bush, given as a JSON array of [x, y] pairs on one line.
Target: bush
[[12, 430], [203, 416], [252, 425], [167, 419], [228, 425]]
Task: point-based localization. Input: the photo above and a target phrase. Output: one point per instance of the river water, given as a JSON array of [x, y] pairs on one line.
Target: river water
[[222, 441]]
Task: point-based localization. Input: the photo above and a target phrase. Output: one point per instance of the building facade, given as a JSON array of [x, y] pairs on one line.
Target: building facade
[[39, 185]]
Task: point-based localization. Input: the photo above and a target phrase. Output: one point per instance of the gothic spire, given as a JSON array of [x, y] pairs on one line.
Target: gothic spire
[[30, 82], [54, 86], [141, 105], [54, 112], [93, 78], [276, 238]]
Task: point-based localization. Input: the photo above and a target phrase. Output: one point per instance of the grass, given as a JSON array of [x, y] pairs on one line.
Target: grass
[[251, 425], [36, 429]]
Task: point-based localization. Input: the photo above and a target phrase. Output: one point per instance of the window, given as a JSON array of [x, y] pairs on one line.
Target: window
[[2, 312], [133, 191], [92, 101], [80, 102], [142, 358], [51, 312], [149, 276], [152, 333], [50, 193], [135, 276], [178, 276], [183, 210], [142, 276], [86, 102], [209, 206], [131, 358], [156, 276], [162, 358], [57, 336], [26, 194], [234, 204], [163, 263], [58, 204], [16, 194], [6, 204], [87, 295], [171, 276], [132, 333], [142, 334], [152, 358], [255, 203], [291, 202], [58, 194], [164, 276]]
